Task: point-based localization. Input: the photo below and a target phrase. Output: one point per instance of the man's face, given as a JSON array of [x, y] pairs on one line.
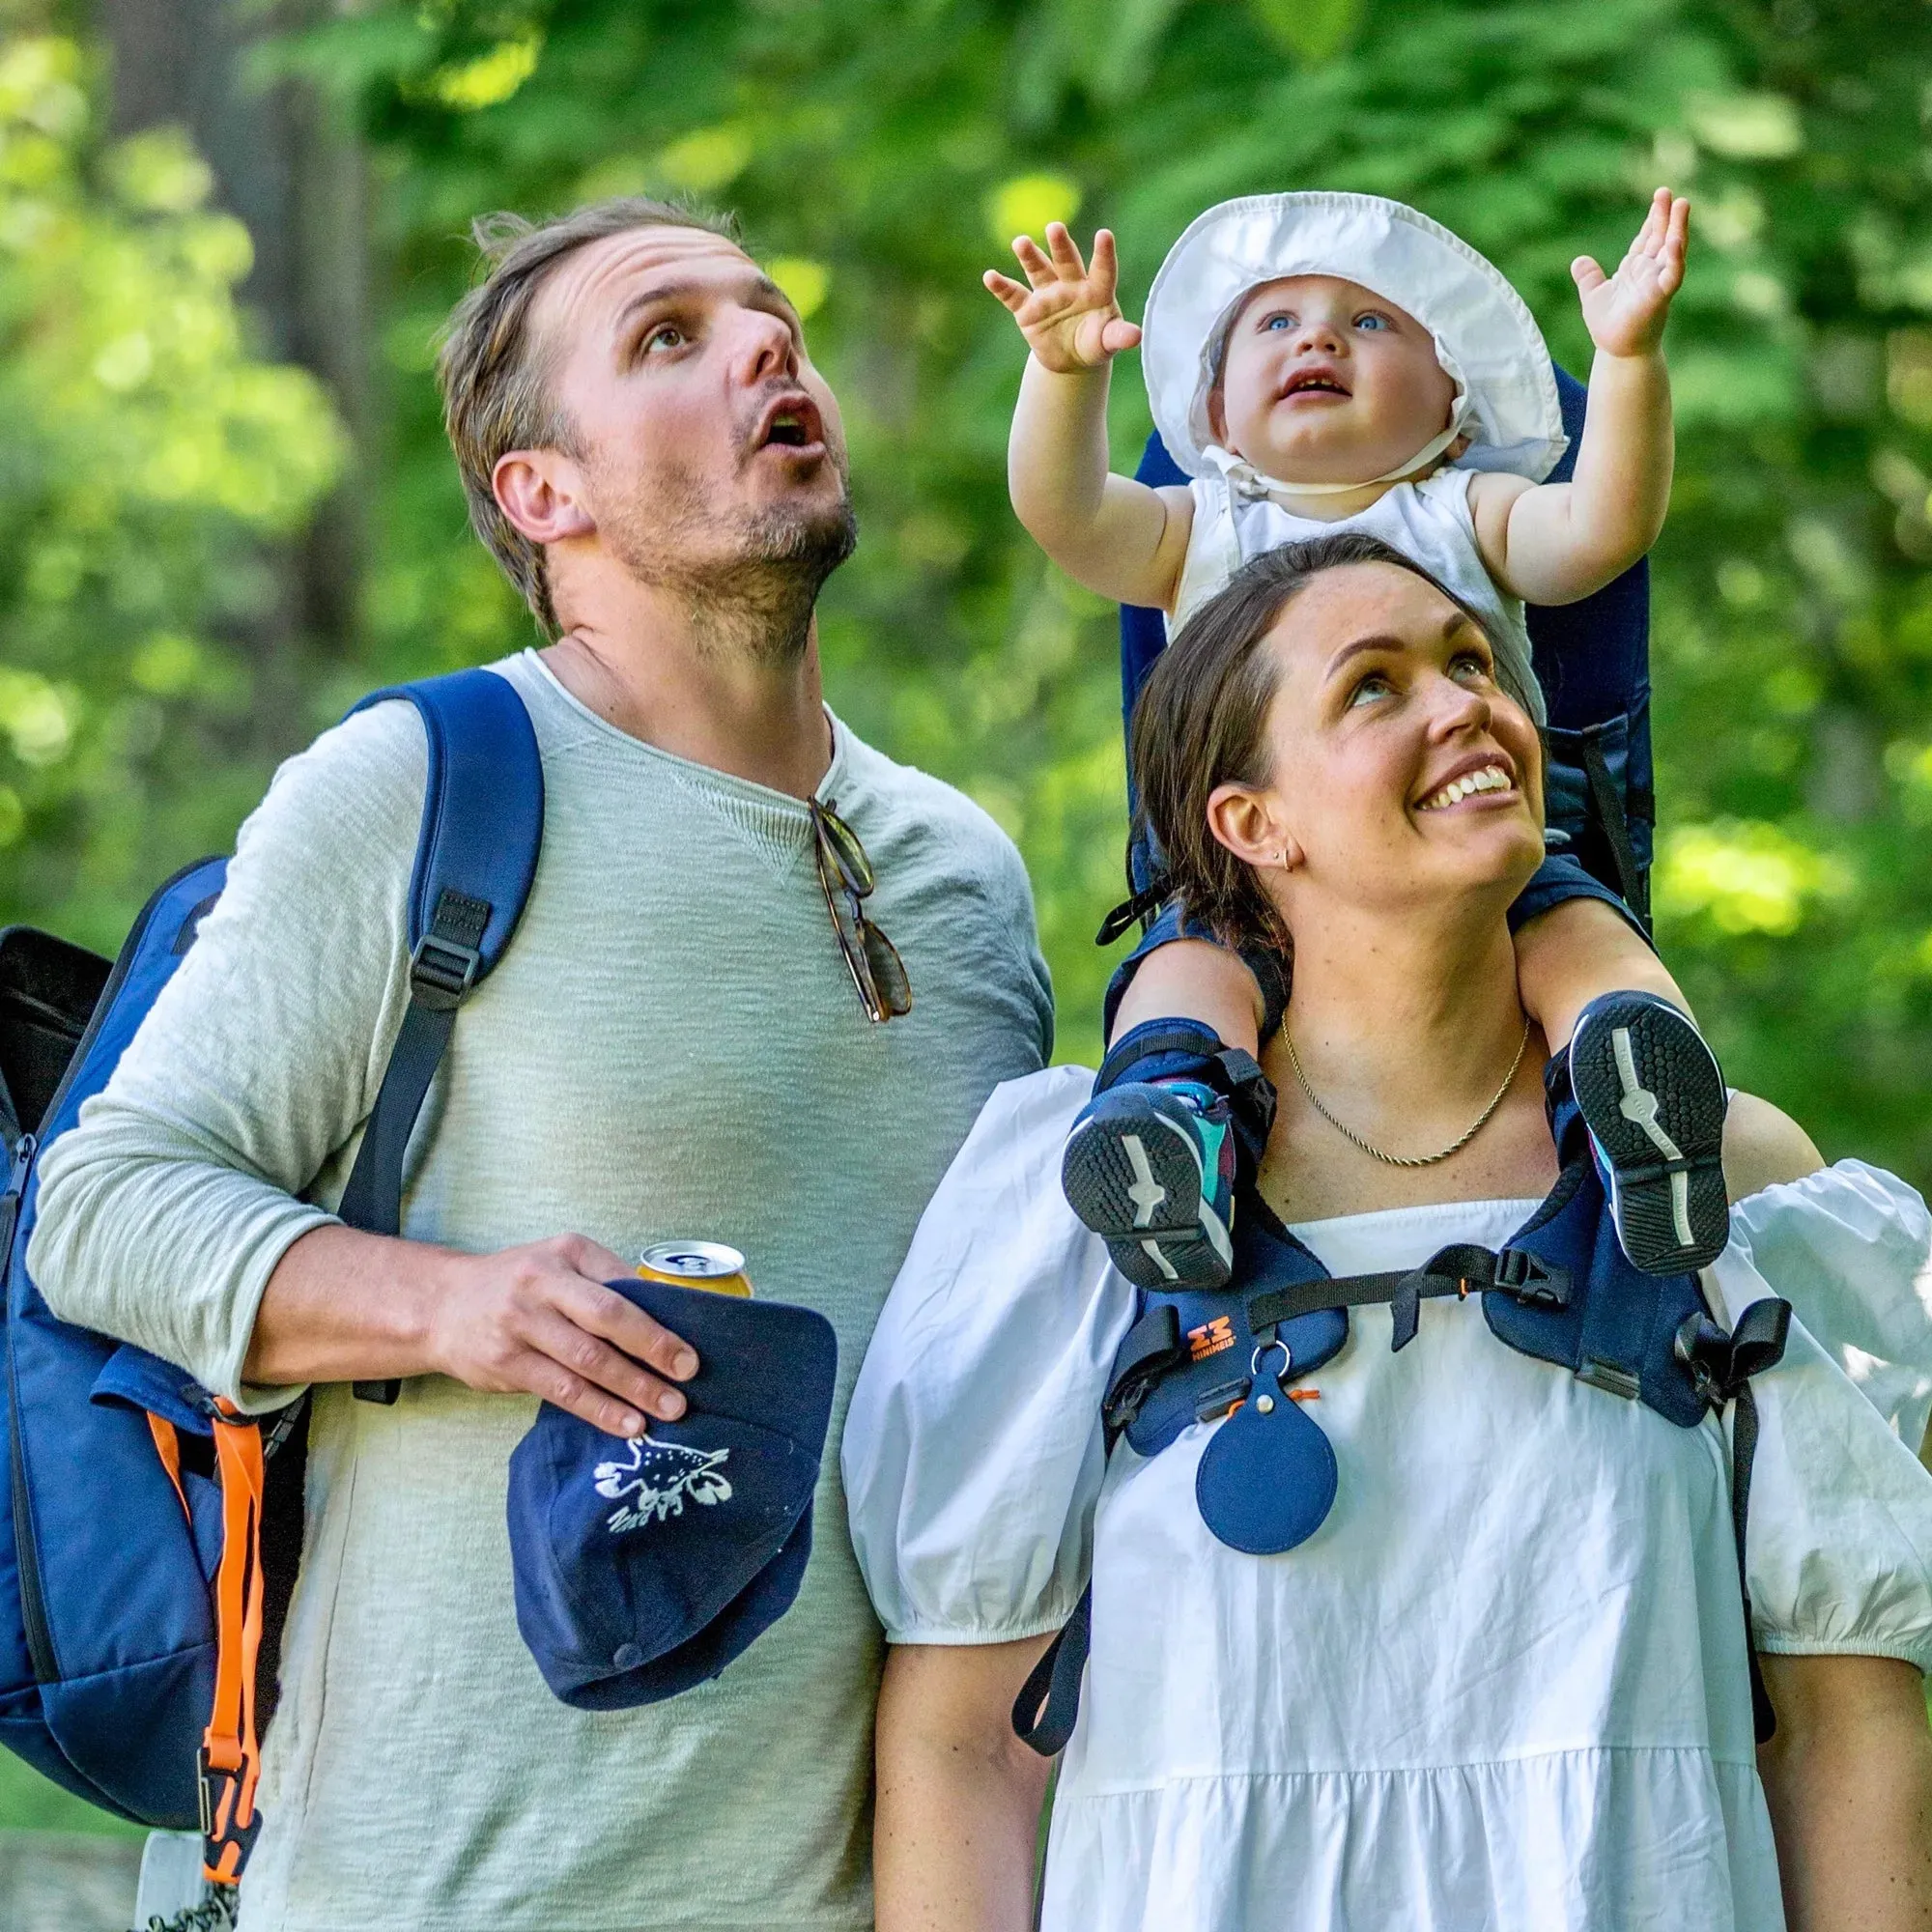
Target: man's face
[[706, 440]]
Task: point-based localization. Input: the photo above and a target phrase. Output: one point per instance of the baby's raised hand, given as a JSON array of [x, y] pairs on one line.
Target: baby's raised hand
[[1626, 312], [1067, 314]]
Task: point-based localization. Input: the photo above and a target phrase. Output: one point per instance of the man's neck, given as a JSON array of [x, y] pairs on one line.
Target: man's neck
[[702, 691]]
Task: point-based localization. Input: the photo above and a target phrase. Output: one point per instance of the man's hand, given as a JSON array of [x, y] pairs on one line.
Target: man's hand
[[343, 1306], [539, 1320], [1068, 315], [1626, 312]]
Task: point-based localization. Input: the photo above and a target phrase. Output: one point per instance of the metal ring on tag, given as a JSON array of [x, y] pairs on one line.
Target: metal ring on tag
[[1262, 1348]]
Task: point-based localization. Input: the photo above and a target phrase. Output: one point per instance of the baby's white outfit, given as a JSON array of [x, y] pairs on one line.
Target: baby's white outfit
[[1504, 1684], [1429, 522]]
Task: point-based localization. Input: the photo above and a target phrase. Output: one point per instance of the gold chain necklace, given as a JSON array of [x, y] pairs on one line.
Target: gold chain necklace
[[1456, 1146]]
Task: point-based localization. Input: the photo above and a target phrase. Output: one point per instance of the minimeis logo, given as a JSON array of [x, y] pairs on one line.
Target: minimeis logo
[[655, 1482]]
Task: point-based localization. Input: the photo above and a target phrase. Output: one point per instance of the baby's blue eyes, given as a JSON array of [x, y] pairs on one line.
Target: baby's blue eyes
[[1368, 320]]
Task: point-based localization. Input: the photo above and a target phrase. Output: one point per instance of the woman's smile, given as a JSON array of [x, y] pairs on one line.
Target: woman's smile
[[1485, 781]]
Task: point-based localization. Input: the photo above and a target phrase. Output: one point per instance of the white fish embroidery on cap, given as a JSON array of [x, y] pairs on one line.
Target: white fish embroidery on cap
[[657, 1479]]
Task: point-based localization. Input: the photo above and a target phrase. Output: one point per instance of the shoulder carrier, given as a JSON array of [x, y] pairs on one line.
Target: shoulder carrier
[[1559, 1289], [150, 1533]]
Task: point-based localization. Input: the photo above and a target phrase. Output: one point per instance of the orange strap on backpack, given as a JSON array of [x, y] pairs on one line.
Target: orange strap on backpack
[[231, 1755]]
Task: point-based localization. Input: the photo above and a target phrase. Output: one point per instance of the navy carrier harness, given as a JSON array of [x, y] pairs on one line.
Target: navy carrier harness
[[1559, 1289]]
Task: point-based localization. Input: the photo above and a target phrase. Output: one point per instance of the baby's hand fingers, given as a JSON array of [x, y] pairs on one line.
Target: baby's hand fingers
[[1038, 270], [1588, 276], [1005, 289], [1065, 254], [1677, 236], [1650, 237], [1106, 265], [1119, 334]]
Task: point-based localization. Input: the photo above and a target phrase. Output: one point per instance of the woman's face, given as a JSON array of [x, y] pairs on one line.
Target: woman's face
[[1402, 773]]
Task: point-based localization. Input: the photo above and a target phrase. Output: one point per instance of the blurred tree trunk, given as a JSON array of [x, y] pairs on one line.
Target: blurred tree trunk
[[288, 163]]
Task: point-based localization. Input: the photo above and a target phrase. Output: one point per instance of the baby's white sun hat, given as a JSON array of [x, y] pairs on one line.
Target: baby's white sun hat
[[1485, 335]]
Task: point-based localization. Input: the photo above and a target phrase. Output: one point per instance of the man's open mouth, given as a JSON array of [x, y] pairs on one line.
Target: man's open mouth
[[792, 423]]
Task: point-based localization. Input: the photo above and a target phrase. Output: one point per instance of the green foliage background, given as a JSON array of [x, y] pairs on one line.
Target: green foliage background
[[880, 152]]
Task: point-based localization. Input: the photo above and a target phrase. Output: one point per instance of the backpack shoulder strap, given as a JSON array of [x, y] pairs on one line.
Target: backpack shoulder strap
[[477, 856]]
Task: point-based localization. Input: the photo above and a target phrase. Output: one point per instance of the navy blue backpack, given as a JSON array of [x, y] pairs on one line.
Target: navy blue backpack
[[1593, 661], [149, 1534]]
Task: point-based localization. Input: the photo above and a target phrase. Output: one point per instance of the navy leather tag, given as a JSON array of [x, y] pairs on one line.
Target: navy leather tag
[[1267, 1481]]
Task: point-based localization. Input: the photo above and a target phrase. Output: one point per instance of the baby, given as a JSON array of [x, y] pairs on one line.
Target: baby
[[1319, 361]]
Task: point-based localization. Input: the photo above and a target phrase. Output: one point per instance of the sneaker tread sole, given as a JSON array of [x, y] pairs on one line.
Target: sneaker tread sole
[[1670, 1062]]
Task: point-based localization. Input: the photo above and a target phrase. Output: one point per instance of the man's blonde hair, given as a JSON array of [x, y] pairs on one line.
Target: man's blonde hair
[[495, 378]]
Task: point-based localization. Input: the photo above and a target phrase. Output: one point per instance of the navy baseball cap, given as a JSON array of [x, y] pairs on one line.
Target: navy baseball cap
[[645, 1567]]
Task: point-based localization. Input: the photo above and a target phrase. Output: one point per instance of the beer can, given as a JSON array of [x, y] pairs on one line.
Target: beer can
[[707, 1264]]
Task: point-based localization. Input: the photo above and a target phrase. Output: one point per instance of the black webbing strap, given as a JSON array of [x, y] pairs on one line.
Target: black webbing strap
[[441, 975], [1632, 881], [1744, 1450], [1723, 1366], [1140, 906], [1048, 1705], [1459, 1269]]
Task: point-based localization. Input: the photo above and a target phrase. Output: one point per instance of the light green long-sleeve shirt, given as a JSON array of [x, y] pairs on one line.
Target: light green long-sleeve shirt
[[671, 1046]]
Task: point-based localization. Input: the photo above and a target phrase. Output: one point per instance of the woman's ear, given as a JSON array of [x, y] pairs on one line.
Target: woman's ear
[[541, 492], [1245, 822]]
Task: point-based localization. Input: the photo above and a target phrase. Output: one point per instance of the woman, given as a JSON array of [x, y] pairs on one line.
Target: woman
[[1504, 1683]]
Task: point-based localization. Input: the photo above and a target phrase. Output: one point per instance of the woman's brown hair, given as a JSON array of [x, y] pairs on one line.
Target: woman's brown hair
[[1202, 722]]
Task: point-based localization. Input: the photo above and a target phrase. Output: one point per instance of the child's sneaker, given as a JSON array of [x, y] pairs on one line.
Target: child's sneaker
[[1149, 1167], [1654, 1099]]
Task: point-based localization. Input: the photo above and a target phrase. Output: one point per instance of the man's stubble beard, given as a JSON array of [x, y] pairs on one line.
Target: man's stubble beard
[[750, 583]]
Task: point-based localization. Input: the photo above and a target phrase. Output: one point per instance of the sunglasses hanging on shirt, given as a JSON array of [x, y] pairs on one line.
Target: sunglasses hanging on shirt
[[845, 876]]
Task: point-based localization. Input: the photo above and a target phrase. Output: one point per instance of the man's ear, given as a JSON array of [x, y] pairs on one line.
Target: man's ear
[[1245, 822], [541, 492]]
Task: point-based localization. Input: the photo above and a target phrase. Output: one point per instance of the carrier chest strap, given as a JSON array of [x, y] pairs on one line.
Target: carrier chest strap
[[1459, 1269], [1155, 1346]]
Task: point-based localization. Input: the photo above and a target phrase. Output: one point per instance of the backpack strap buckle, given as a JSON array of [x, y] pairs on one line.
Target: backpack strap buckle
[[447, 961], [229, 1822]]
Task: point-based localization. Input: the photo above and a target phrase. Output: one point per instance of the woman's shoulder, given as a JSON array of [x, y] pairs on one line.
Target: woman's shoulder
[[1764, 1146]]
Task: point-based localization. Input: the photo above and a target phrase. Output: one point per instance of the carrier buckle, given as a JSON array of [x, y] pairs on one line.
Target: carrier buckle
[[442, 971], [1529, 1279]]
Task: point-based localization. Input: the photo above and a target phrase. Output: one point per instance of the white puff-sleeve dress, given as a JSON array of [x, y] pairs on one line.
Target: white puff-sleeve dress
[[1504, 1686]]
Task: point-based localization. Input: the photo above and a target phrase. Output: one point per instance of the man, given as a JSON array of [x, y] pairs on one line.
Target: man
[[673, 1047]]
